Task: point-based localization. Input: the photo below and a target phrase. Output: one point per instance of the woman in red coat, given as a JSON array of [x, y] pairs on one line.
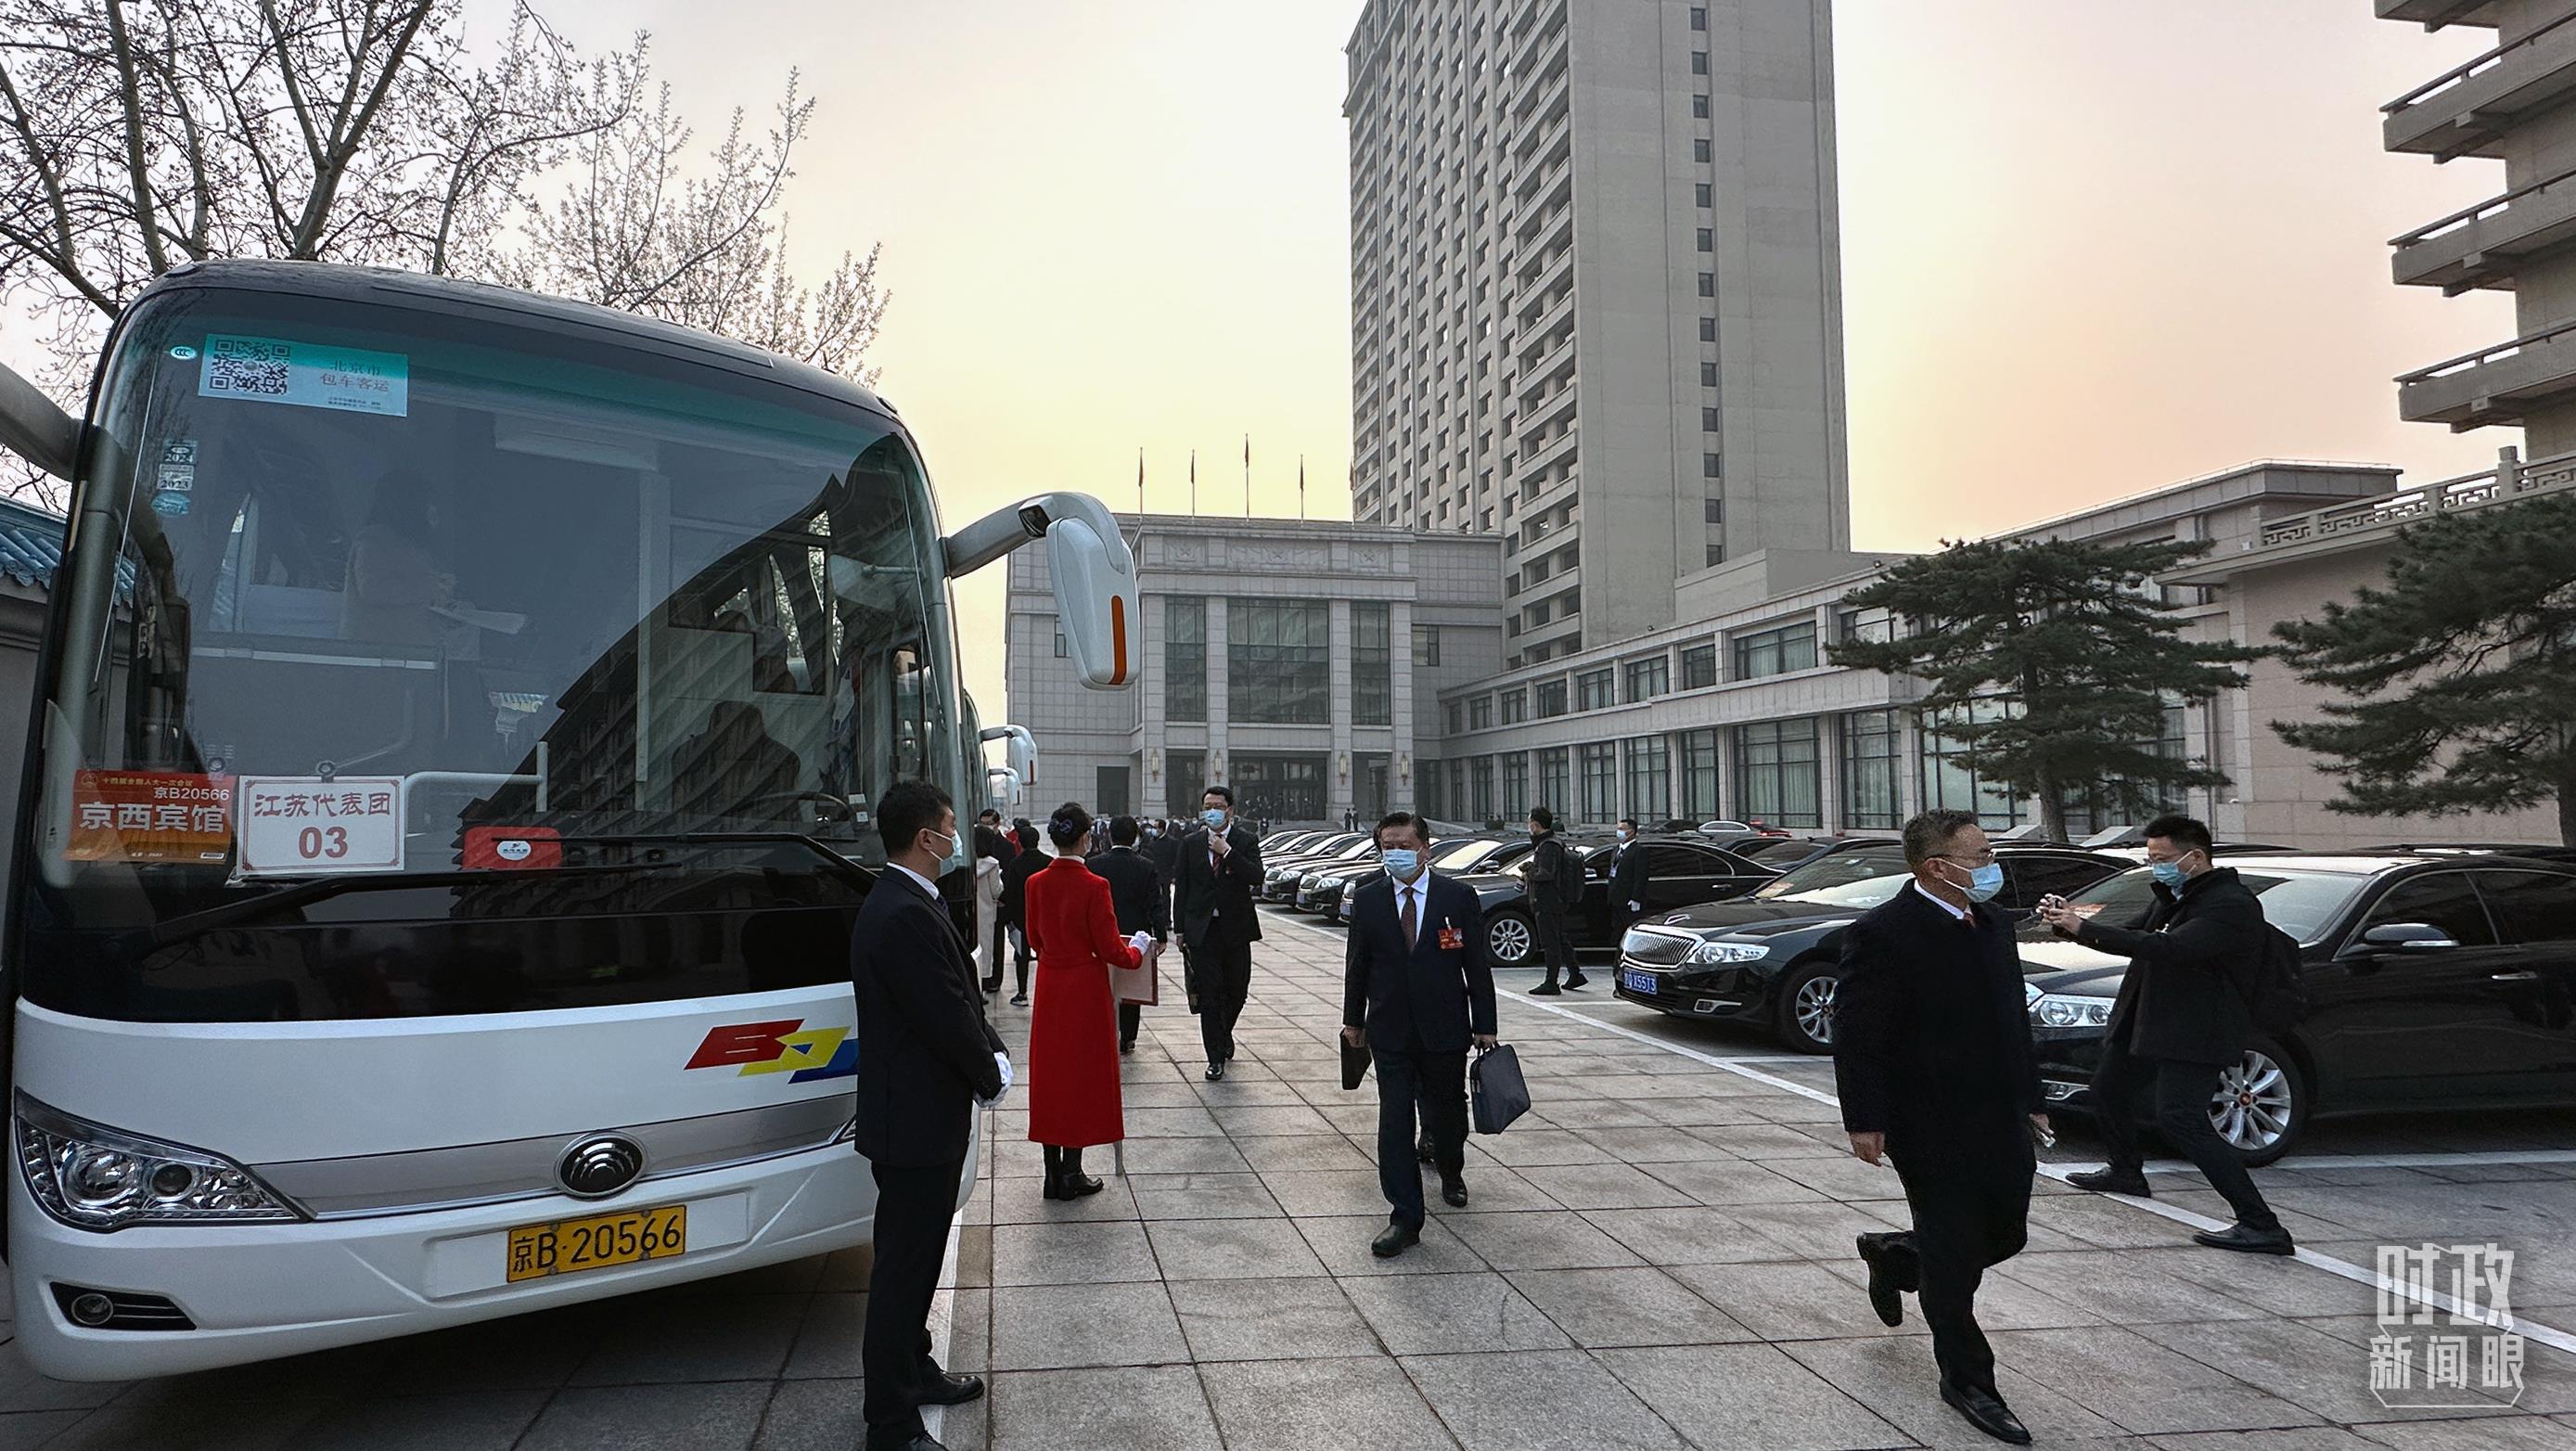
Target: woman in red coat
[[1073, 1030]]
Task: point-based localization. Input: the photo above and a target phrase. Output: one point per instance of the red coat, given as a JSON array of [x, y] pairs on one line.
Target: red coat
[[1073, 1026]]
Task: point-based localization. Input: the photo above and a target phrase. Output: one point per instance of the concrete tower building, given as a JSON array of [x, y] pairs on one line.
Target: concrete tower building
[[1596, 294]]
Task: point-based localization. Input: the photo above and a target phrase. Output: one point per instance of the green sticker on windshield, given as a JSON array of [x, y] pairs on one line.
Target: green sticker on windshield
[[273, 370]]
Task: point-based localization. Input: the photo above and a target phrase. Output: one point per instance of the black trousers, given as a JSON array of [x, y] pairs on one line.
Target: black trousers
[[993, 954], [1971, 1207], [913, 1210], [1224, 967], [1436, 1083], [2182, 1093], [1552, 945], [1130, 1015]]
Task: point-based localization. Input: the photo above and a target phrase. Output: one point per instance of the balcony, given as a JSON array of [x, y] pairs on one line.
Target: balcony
[[2372, 519], [2466, 111], [2496, 385], [2482, 246], [2434, 14]]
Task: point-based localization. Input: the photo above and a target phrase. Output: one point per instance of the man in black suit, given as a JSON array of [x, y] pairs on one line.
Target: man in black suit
[[1932, 1055], [1136, 891], [1417, 990], [926, 1058], [1627, 880], [2181, 1017], [1220, 869]]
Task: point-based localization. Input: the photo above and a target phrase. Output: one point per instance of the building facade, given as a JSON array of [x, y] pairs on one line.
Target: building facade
[[1294, 661], [1596, 294]]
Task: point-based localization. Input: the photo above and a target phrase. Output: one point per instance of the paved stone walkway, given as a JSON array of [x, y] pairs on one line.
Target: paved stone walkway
[[1659, 1257]]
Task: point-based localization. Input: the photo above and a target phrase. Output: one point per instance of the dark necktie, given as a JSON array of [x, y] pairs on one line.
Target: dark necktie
[[1412, 924]]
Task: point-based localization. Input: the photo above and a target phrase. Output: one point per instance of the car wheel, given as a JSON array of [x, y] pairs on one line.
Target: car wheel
[[1807, 1007], [1508, 939], [2261, 1104]]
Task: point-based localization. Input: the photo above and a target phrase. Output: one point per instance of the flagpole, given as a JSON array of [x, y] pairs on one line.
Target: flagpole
[[1194, 483], [1301, 487], [1247, 476], [1140, 488]]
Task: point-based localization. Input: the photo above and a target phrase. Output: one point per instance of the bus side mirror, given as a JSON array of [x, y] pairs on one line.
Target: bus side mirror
[[1020, 748], [1096, 603], [1002, 789]]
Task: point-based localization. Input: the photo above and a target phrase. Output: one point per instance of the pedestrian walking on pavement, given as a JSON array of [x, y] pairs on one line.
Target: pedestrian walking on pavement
[[927, 1058], [1025, 863], [1555, 880], [1627, 880], [2183, 1014], [1136, 894], [1417, 990], [1220, 868], [1933, 1059], [990, 938], [1073, 1074]]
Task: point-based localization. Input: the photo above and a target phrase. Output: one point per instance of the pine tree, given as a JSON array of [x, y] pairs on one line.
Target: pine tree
[[2070, 655], [2461, 670]]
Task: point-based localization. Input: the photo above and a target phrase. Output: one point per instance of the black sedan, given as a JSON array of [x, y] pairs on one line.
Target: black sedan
[[1679, 871], [1773, 959], [1324, 889], [2436, 980], [1279, 876]]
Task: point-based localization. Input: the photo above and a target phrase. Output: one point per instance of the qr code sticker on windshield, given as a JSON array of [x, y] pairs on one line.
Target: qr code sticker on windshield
[[247, 365]]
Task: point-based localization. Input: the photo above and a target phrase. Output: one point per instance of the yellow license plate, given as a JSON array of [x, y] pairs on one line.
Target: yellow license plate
[[569, 1246]]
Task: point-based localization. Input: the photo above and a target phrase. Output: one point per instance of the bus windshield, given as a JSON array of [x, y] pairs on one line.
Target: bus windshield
[[374, 590]]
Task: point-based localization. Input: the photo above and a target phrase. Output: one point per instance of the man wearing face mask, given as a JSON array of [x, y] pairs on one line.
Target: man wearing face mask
[[2181, 1017], [1627, 881], [1933, 1059], [1417, 990], [1220, 868]]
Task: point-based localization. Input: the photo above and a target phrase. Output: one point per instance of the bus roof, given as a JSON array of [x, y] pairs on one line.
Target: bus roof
[[419, 290]]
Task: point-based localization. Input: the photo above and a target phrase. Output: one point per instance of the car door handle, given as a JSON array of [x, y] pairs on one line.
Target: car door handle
[[2523, 976]]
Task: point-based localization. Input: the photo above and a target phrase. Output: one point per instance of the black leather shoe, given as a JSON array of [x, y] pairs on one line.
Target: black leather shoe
[[1075, 1186], [1422, 1152], [2112, 1181], [2273, 1241], [1544, 990], [1885, 1295], [1216, 1072], [1394, 1240], [1453, 1192], [1576, 979], [1987, 1412], [1126, 1046], [952, 1390]]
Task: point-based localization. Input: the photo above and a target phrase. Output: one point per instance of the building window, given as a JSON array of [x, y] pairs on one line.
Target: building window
[[1699, 774], [1555, 782], [1372, 664], [1865, 625], [1650, 779], [1708, 288], [1480, 713], [1699, 62], [1716, 553], [1699, 17], [1592, 690], [1515, 786], [1705, 194], [2099, 810], [1700, 149], [1515, 706], [1776, 780], [1649, 678], [1699, 108], [1873, 747], [1426, 645], [1059, 645], [1454, 716], [1712, 511], [1551, 698], [1711, 466], [1184, 782], [1699, 667], [1278, 787], [1480, 777], [1600, 767], [1279, 661], [1185, 693], [1776, 652], [1708, 329], [1707, 239], [1948, 780], [1708, 420], [1708, 375]]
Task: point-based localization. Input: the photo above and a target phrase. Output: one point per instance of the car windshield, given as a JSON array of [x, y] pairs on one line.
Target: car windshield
[[1840, 879], [2300, 902], [396, 581], [1459, 856]]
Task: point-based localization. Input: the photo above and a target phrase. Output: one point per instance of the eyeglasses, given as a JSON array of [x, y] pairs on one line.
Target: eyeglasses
[[1981, 859]]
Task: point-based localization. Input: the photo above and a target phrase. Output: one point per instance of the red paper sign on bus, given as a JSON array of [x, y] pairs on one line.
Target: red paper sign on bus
[[150, 816]]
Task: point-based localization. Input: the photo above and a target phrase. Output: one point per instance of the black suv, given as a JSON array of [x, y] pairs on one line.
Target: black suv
[[1773, 959], [2437, 979], [1679, 871]]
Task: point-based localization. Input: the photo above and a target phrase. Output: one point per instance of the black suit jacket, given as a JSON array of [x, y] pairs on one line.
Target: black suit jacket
[[1627, 877], [1165, 853], [925, 1051], [1932, 1029], [1397, 992], [1206, 904], [2184, 997], [1135, 890]]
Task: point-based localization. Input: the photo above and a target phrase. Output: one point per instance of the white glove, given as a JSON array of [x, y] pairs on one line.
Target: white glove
[[1003, 1062], [1141, 941], [1636, 906]]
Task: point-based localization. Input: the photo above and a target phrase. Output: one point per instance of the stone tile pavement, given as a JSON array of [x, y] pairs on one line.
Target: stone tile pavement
[[1660, 1256]]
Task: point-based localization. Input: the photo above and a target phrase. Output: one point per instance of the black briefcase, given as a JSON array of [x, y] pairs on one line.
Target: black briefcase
[[1355, 1062], [1497, 1093]]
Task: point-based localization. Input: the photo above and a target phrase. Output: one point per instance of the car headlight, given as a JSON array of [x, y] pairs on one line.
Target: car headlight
[[1713, 951], [2049, 1010], [93, 1177]]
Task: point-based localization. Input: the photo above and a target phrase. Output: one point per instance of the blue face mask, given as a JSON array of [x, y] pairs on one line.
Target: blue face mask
[[1985, 881], [1215, 820], [2169, 875], [1401, 862]]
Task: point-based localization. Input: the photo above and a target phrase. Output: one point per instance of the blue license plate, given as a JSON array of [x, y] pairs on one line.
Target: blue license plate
[[1640, 982]]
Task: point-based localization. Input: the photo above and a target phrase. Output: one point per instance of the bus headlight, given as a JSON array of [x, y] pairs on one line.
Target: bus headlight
[[93, 1177], [2053, 1011]]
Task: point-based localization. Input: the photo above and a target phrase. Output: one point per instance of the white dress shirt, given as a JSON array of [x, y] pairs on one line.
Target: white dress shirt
[[1960, 913]]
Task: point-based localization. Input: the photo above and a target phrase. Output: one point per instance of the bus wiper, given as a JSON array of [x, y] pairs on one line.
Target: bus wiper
[[837, 865]]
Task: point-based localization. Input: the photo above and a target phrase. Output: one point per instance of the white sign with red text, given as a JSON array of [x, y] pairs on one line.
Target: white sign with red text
[[304, 826]]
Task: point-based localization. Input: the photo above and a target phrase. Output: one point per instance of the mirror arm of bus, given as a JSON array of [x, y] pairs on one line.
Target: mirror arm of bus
[[35, 429], [1090, 565]]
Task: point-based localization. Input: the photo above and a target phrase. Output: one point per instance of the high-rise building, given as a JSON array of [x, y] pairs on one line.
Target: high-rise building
[[1596, 298]]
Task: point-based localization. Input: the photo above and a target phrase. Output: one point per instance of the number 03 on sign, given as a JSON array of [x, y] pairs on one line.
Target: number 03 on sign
[[306, 826]]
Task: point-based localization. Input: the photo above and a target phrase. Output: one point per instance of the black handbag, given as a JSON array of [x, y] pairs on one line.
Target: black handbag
[[1497, 1092]]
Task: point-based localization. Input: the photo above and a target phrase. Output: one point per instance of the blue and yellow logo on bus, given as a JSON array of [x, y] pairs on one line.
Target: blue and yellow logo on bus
[[786, 1046]]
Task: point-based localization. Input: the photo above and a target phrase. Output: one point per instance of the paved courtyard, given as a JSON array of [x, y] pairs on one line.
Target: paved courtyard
[[1660, 1256]]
